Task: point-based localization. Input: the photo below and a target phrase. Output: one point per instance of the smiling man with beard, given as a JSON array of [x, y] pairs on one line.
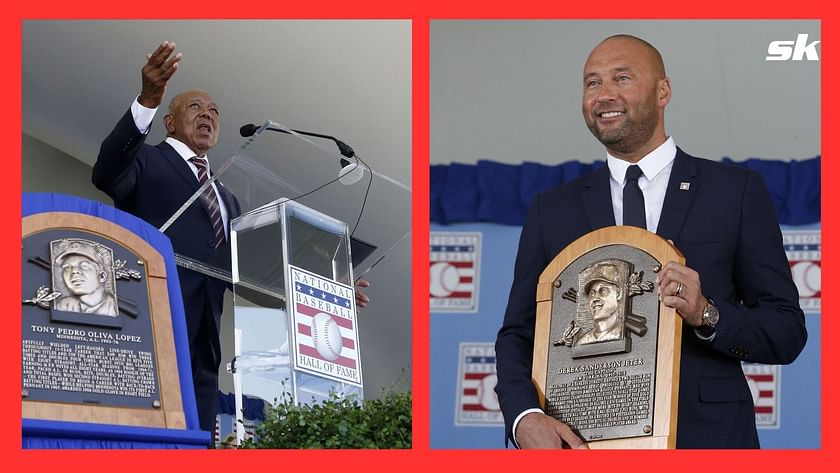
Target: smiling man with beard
[[735, 293]]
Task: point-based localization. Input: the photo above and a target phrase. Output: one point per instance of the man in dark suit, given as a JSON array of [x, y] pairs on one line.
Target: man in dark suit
[[152, 182], [735, 293]]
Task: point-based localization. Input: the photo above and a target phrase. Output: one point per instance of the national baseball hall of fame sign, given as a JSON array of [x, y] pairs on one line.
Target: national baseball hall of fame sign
[[606, 352], [98, 344]]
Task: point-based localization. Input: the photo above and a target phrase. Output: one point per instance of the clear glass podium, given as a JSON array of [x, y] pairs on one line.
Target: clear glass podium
[[312, 221]]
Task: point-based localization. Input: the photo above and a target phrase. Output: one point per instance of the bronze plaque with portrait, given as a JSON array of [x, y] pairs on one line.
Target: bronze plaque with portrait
[[606, 352], [97, 335]]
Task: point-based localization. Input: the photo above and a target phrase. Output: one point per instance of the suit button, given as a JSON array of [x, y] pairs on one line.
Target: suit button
[[211, 243]]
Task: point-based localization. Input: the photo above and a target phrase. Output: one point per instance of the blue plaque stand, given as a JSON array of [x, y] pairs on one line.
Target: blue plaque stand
[[49, 433]]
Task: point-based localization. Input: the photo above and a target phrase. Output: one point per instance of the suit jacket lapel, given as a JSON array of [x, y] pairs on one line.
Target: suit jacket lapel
[[183, 170], [180, 166], [597, 199], [682, 186]]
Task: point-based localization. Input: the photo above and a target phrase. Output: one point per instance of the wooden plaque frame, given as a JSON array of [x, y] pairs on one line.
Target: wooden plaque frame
[[668, 343], [171, 412]]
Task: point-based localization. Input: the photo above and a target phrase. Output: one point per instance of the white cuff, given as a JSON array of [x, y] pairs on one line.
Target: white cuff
[[705, 339], [516, 423], [142, 116]]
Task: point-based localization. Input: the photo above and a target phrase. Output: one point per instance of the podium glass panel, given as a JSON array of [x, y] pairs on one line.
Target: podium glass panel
[[279, 163]]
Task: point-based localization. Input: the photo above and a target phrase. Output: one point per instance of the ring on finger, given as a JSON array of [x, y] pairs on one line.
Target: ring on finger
[[679, 289]]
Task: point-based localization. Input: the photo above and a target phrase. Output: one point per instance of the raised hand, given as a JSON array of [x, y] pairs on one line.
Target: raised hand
[[159, 68]]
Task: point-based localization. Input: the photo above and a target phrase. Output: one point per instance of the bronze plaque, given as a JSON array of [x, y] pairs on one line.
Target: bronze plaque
[[87, 333], [98, 343], [600, 326]]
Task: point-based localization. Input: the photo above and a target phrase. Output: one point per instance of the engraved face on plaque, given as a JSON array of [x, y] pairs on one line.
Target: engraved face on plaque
[[603, 286], [602, 355], [83, 272], [87, 327]]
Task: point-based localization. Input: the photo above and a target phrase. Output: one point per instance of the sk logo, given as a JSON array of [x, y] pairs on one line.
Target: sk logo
[[793, 50]]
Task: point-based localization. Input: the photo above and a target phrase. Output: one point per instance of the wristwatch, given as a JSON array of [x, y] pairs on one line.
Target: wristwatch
[[710, 314]]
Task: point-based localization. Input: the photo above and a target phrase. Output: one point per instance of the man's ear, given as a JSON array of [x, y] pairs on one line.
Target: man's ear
[[103, 276], [663, 92], [169, 123]]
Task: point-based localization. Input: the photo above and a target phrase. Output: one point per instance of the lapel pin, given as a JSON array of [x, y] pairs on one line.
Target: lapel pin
[[684, 186]]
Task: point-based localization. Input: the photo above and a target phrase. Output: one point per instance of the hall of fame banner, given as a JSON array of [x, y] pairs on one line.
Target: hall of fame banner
[[454, 271], [804, 252], [477, 404], [765, 385], [326, 342]]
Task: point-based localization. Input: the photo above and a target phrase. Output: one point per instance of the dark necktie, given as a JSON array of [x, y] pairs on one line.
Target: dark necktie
[[209, 196], [634, 201]]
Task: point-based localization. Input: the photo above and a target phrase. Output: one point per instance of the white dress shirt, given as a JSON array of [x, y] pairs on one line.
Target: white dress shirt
[[656, 170]]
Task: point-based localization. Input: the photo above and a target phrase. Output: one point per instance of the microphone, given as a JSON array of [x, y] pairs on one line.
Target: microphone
[[349, 174], [248, 130]]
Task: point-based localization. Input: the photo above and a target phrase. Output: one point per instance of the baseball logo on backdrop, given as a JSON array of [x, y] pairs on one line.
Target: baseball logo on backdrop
[[765, 385], [804, 252], [477, 403], [453, 271], [326, 341]]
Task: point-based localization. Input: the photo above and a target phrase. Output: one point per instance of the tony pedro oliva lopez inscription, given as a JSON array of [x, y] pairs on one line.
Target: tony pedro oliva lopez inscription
[[599, 363]]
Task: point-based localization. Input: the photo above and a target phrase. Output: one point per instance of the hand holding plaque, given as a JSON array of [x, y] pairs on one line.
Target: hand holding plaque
[[537, 430], [680, 288]]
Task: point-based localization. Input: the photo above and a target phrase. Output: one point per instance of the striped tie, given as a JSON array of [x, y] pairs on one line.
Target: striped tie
[[209, 196]]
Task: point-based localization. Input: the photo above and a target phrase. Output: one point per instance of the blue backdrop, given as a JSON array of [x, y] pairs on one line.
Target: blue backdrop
[[491, 198]]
